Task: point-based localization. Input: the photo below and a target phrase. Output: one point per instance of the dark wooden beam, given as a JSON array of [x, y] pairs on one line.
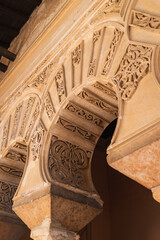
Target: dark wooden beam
[[3, 67], [7, 54], [12, 13], [7, 31]]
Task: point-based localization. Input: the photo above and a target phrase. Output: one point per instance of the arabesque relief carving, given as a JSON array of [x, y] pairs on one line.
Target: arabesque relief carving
[[60, 83], [16, 120], [67, 162], [82, 113], [48, 105], [16, 172], [112, 6], [145, 20], [16, 156], [5, 133], [134, 66], [96, 44], [76, 57], [7, 192], [117, 35], [42, 77], [36, 140], [107, 89], [98, 102], [76, 129], [26, 116], [32, 122]]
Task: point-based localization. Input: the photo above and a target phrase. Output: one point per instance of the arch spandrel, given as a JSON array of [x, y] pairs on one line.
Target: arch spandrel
[[106, 71]]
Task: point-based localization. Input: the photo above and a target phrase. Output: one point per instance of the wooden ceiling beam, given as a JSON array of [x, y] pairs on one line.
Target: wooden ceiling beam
[[7, 31], [3, 67], [11, 13], [7, 54]]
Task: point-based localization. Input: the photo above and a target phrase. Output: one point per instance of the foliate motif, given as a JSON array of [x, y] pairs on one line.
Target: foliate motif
[[5, 133], [26, 115], [7, 192], [76, 129], [16, 120], [20, 146], [98, 103], [96, 36], [134, 66], [82, 113], [96, 43], [16, 172], [67, 163], [107, 89], [36, 141], [42, 77], [16, 156], [145, 20], [48, 105], [112, 6], [33, 119], [117, 35], [60, 83], [76, 55]]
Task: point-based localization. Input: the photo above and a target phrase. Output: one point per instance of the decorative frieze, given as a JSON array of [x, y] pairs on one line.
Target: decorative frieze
[[36, 140], [112, 6], [134, 66], [96, 47], [16, 172], [117, 35], [76, 129], [107, 89], [16, 120], [7, 192], [26, 116], [32, 122], [16, 156], [41, 79], [146, 21], [60, 84], [67, 162], [48, 105], [6, 129], [89, 97], [76, 56], [84, 114]]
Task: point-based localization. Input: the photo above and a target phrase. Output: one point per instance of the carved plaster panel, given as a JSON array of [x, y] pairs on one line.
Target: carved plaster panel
[[79, 131], [32, 122], [16, 172], [89, 97], [107, 89], [82, 113], [48, 105], [134, 66], [96, 47], [16, 120], [77, 59], [60, 83], [37, 140], [117, 35], [26, 116], [145, 21], [67, 162], [7, 192]]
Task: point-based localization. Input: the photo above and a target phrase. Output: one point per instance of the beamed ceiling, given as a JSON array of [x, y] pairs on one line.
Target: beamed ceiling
[[13, 15]]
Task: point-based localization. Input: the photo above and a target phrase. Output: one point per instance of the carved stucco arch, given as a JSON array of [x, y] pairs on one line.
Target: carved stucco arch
[[130, 66]]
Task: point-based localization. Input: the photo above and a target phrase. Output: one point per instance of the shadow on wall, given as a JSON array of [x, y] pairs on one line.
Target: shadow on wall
[[130, 212]]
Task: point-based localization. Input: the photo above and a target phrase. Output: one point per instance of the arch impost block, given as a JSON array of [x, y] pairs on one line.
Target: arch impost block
[[141, 165], [68, 209]]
